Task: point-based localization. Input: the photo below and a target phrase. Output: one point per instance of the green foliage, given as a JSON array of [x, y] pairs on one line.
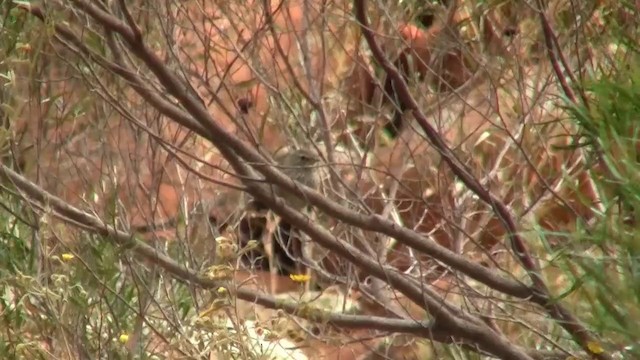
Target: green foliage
[[607, 273], [86, 294]]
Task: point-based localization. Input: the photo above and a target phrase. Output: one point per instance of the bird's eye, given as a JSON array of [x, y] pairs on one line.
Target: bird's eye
[[510, 31]]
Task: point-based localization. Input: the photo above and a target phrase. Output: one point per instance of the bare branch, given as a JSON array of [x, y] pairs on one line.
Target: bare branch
[[541, 295]]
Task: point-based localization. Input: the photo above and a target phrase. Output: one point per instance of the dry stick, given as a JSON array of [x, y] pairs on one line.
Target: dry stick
[[233, 148], [551, 41], [313, 95], [541, 295], [548, 39]]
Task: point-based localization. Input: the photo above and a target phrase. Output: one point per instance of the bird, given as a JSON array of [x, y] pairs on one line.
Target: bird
[[300, 166], [289, 244]]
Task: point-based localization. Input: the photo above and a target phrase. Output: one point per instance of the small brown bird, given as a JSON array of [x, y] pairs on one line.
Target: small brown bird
[[299, 165]]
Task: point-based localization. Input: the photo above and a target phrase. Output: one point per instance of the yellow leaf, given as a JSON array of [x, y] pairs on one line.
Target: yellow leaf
[[595, 347], [300, 277], [68, 257]]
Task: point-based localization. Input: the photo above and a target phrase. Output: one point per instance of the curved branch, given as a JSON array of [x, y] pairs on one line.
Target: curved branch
[[458, 168], [541, 295]]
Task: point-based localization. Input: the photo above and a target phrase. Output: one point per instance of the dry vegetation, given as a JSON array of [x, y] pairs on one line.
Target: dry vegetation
[[135, 155]]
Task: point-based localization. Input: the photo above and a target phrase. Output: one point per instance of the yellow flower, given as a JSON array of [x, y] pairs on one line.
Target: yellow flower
[[221, 290], [124, 337], [300, 277], [68, 257], [595, 347]]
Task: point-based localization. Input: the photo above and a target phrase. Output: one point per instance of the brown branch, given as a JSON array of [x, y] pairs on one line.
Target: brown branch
[[458, 168], [548, 39], [541, 295], [132, 24], [163, 106], [551, 41]]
